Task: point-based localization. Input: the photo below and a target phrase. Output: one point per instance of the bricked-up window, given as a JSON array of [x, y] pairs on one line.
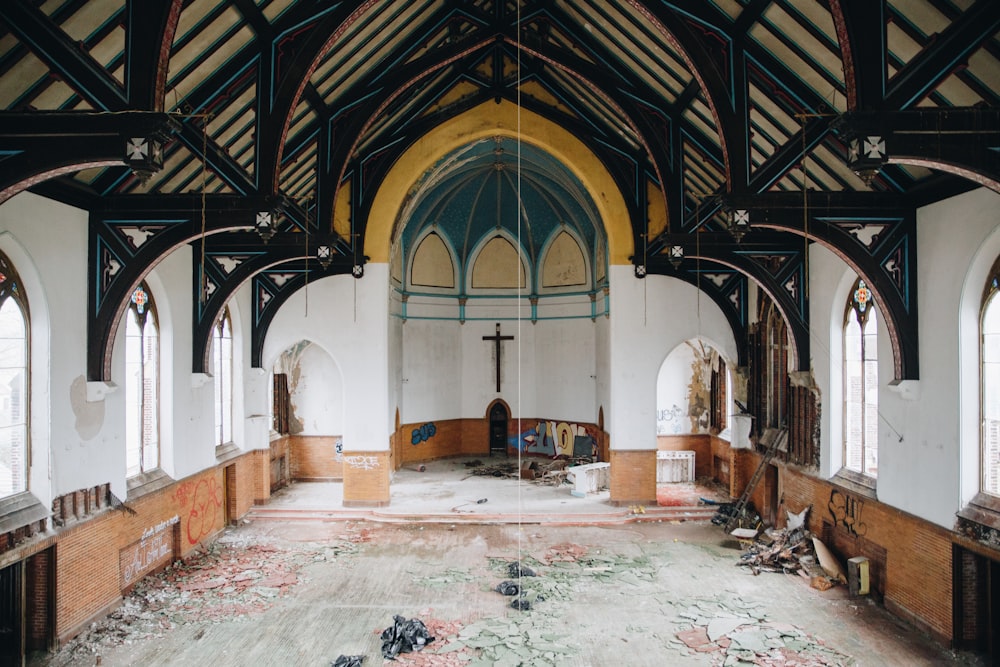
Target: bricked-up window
[[222, 371], [861, 382], [14, 451], [777, 369], [142, 384], [720, 396], [990, 386], [280, 399]]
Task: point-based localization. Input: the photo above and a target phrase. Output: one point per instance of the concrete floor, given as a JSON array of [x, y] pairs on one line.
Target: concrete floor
[[303, 581]]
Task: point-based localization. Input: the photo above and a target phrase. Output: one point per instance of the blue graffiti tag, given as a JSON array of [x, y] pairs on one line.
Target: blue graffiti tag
[[425, 432]]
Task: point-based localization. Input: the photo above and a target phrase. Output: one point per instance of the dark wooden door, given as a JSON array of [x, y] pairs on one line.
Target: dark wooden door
[[498, 429]]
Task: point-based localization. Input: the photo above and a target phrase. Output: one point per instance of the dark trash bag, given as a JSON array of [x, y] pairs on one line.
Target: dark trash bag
[[404, 636], [348, 661], [508, 588], [515, 569]]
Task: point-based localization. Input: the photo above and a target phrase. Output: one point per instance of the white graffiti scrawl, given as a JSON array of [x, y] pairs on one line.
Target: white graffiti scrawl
[[155, 547], [362, 462]]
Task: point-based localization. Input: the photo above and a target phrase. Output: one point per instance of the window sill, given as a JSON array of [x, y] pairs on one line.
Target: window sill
[[20, 510], [147, 482], [856, 482], [226, 452], [984, 510]]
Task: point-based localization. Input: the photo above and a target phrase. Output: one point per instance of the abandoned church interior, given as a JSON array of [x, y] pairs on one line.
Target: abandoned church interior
[[252, 245]]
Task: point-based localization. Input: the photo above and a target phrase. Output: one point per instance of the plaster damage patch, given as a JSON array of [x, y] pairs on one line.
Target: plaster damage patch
[[89, 415]]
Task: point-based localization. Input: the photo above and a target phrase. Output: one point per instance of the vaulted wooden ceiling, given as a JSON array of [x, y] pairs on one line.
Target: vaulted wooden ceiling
[[698, 108]]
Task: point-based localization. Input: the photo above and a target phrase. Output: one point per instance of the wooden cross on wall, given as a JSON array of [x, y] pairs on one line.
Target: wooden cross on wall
[[496, 338]]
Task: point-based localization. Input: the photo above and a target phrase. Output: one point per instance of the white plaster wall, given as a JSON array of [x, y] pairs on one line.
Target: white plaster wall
[[78, 443], [548, 369], [830, 279], [958, 242], [317, 394], [649, 318], [517, 375], [672, 392], [831, 282], [565, 370], [432, 382], [251, 404], [52, 239], [347, 318], [982, 208]]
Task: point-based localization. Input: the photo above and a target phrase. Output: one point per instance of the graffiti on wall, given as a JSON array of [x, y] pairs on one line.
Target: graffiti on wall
[[155, 547], [362, 462], [669, 420], [553, 438], [846, 512], [202, 501], [423, 433]]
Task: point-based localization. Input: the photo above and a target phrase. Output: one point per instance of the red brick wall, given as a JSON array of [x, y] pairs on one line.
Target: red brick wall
[[38, 597], [261, 481], [426, 441], [633, 477], [917, 575], [189, 511], [314, 458]]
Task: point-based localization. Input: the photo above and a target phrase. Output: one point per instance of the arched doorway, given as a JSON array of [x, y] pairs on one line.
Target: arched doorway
[[498, 428]]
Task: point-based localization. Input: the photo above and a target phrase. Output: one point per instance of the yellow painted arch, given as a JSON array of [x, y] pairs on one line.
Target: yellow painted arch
[[489, 120]]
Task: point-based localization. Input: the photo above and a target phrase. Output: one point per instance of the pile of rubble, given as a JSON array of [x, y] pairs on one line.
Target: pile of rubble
[[777, 551], [794, 549], [538, 470]]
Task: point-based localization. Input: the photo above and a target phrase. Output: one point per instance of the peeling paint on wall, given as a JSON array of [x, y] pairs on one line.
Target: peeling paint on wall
[[699, 388], [290, 363], [89, 415]]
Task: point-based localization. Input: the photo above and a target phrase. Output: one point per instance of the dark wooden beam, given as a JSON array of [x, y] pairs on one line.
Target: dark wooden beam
[[51, 45]]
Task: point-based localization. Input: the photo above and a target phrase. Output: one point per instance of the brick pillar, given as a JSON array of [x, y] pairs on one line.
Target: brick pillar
[[366, 479], [633, 477], [261, 476]]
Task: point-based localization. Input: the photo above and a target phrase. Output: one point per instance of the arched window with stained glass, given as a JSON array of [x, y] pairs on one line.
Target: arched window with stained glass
[[14, 447], [142, 383], [861, 382], [222, 371], [990, 386]]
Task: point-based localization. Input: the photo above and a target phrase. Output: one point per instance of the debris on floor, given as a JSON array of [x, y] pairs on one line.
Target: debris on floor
[[549, 472], [777, 551], [404, 636], [348, 661], [231, 579], [731, 632], [793, 549]]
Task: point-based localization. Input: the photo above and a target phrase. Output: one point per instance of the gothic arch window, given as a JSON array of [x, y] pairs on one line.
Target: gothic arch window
[[222, 371], [14, 451], [776, 398], [142, 384], [989, 464], [861, 382]]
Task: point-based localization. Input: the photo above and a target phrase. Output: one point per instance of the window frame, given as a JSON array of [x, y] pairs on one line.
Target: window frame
[[223, 374], [12, 289], [142, 314], [990, 299], [860, 311]]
